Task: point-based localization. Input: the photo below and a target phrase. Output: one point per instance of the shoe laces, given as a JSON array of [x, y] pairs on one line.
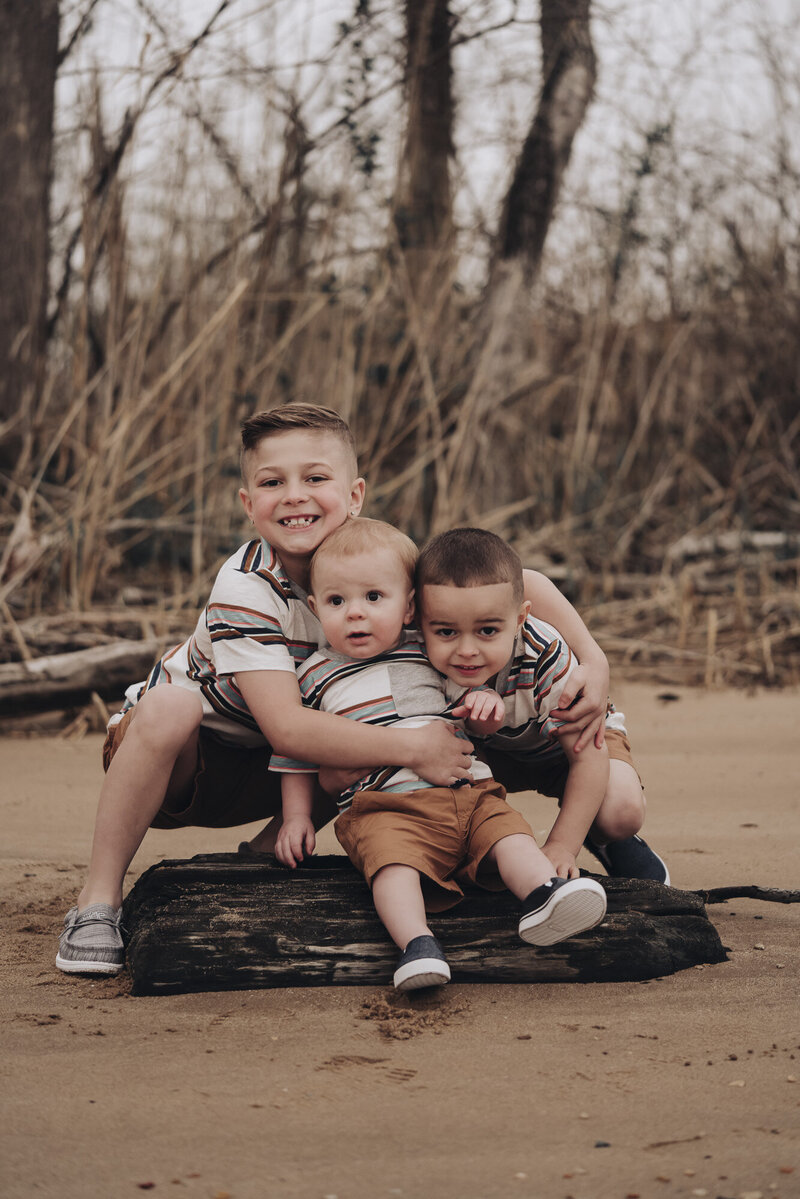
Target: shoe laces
[[93, 918]]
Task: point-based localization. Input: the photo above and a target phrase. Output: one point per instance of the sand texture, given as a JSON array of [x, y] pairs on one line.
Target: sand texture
[[683, 1086]]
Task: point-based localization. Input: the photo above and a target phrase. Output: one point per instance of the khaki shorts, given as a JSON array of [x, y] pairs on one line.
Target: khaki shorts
[[442, 833], [232, 784], [548, 774]]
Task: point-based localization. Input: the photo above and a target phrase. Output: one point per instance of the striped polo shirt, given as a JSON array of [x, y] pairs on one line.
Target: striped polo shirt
[[256, 618], [398, 688], [530, 685]]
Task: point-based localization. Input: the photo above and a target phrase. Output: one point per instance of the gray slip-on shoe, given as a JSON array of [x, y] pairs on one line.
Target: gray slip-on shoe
[[91, 942]]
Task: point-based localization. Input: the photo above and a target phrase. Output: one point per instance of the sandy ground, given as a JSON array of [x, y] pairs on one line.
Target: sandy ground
[[688, 1085]]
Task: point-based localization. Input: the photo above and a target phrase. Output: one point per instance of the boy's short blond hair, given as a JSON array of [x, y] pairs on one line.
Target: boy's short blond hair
[[360, 535], [289, 417], [469, 558]]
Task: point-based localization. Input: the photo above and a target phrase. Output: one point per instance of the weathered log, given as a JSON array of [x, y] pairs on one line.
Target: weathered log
[[62, 679], [222, 922]]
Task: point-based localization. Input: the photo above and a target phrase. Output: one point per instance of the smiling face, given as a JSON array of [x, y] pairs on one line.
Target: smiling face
[[362, 601], [469, 631], [300, 486]]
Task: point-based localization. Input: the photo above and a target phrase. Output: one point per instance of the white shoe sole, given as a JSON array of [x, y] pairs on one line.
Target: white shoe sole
[[426, 972], [71, 967], [571, 910]]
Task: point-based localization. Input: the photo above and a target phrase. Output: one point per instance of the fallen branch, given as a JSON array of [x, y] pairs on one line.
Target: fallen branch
[[768, 894]]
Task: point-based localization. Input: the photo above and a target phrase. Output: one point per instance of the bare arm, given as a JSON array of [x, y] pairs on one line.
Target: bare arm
[[434, 752], [590, 680], [297, 838], [584, 791]]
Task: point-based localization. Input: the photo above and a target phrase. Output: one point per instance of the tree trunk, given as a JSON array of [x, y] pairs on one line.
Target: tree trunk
[[568, 78], [423, 206], [28, 65], [507, 364]]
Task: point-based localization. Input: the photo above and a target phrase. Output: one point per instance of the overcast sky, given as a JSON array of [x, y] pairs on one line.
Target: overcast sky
[[706, 67]]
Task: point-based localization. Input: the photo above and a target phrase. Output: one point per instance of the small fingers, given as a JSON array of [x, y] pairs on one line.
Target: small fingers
[[284, 856], [593, 729], [583, 740]]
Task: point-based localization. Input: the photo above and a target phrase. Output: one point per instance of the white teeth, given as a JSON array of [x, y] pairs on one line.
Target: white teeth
[[297, 522]]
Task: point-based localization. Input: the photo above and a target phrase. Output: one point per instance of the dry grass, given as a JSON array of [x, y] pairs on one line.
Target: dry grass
[[607, 449]]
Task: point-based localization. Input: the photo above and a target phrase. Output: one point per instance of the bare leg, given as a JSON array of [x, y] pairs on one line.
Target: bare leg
[[521, 864], [156, 760], [397, 895], [621, 814]]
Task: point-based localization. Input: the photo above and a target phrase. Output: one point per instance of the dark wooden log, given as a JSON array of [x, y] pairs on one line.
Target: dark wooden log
[[221, 922]]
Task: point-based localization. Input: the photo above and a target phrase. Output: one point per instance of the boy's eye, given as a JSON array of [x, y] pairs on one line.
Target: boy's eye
[[446, 634], [335, 601], [269, 482], [373, 596], [489, 630], [318, 478]]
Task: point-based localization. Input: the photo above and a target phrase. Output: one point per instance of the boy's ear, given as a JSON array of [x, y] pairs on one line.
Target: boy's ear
[[247, 503], [357, 493], [312, 603], [523, 612], [410, 608]]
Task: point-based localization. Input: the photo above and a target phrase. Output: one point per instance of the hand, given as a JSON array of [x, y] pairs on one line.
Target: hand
[[483, 711], [583, 702], [563, 860], [334, 779], [295, 841], [439, 755]]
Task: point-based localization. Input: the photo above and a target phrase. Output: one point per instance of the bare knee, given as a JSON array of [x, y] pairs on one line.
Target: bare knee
[[621, 813], [166, 718]]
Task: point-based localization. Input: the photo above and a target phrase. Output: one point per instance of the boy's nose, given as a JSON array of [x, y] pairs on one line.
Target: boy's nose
[[296, 493], [467, 648]]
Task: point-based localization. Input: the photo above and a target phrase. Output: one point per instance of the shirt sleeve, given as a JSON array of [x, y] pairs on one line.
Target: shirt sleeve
[[554, 666], [280, 765], [248, 624]]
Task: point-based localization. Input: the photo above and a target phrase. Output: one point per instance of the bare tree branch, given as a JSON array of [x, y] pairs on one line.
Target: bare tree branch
[[77, 33], [111, 165]]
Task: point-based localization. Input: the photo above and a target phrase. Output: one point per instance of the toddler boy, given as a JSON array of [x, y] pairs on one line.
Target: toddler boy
[[410, 840], [479, 633]]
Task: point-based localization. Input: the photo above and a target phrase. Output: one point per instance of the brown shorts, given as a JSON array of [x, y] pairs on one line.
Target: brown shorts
[[549, 776], [441, 832], [232, 784]]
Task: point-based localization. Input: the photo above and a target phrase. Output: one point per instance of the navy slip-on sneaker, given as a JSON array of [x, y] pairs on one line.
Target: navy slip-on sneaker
[[561, 908], [422, 964], [629, 858]]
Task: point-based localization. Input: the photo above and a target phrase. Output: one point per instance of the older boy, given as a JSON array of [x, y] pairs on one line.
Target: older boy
[[412, 841], [479, 633], [192, 744]]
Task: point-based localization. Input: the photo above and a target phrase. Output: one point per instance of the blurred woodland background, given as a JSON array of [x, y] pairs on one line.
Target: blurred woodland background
[[543, 256]]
